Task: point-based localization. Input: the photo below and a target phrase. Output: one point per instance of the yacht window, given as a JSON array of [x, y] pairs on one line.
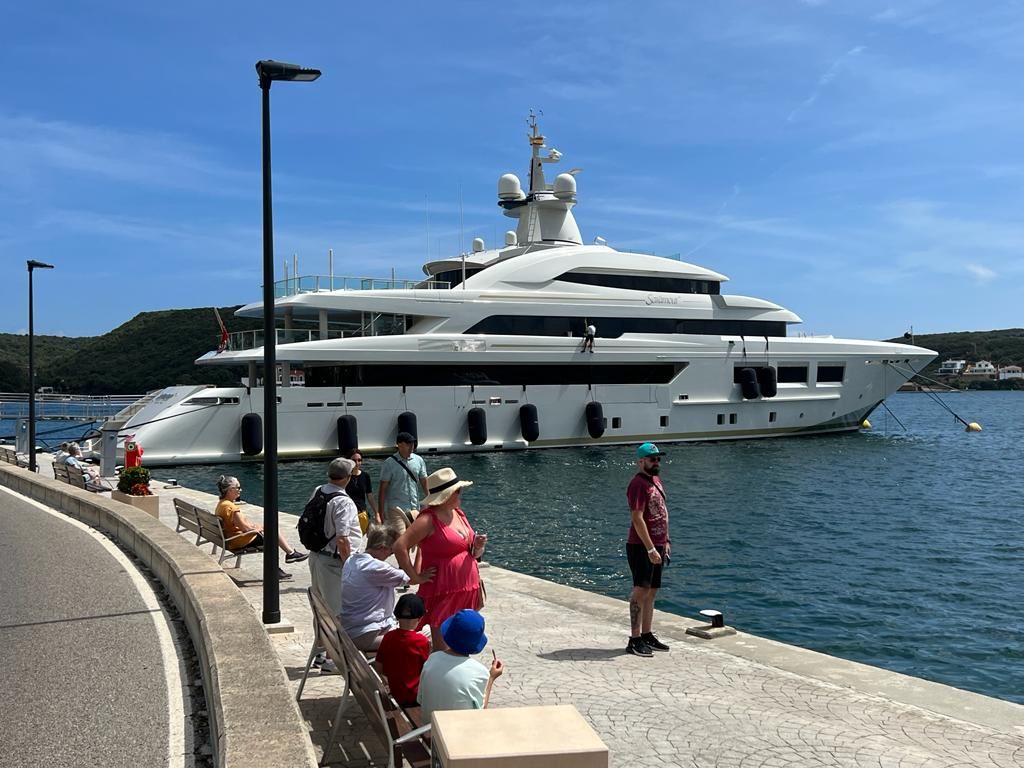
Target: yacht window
[[454, 276], [792, 374], [643, 282], [613, 327], [831, 374], [211, 401], [411, 375]]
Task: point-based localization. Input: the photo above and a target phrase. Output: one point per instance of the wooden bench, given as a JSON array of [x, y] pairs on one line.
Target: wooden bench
[[11, 456], [404, 741], [208, 530], [79, 478], [60, 472]]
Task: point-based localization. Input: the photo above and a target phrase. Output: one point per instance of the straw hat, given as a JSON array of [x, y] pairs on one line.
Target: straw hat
[[442, 484]]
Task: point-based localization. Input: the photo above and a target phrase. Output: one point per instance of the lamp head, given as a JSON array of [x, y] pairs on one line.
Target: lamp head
[[269, 70], [33, 264]]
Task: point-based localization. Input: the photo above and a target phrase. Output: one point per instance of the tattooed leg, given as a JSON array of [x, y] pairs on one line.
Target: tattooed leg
[[635, 614]]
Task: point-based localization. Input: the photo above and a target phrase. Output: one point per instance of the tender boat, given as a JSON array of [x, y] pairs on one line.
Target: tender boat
[[487, 354]]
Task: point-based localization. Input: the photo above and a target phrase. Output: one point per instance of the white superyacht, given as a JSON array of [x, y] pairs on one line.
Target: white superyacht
[[487, 354]]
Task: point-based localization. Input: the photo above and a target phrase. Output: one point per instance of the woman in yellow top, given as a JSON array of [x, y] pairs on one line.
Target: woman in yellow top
[[234, 522]]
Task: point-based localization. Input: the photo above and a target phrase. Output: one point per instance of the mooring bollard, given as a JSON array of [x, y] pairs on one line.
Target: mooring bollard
[[716, 627]]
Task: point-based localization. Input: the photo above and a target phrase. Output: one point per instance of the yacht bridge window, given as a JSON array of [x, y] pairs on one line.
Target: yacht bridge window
[[643, 282], [452, 276], [452, 375], [613, 327]]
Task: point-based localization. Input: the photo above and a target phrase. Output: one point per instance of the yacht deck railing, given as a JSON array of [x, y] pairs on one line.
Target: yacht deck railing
[[293, 286]]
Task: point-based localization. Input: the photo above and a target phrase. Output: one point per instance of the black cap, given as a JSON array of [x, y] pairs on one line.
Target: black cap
[[405, 437], [409, 606]]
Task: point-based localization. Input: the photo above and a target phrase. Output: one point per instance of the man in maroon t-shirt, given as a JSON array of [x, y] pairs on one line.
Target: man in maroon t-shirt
[[647, 548]]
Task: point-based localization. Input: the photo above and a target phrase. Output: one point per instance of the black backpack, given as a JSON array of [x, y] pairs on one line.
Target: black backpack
[[311, 523]]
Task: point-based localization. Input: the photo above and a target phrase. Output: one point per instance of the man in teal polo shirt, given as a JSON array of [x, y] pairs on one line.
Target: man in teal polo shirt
[[402, 478]]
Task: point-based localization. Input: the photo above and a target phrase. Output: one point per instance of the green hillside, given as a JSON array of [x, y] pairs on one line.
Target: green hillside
[[1004, 347], [153, 350], [14, 357]]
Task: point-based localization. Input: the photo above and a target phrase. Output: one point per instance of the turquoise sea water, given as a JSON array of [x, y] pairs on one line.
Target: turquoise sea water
[[902, 549]]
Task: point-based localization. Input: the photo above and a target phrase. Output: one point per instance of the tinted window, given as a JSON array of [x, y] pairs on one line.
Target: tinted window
[[792, 374], [613, 327], [831, 373], [453, 276], [643, 282], [400, 374]]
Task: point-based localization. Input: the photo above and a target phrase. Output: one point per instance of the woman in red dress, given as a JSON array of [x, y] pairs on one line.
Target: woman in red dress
[[448, 575]]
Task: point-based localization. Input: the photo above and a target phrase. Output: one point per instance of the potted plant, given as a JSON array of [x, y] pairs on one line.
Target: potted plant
[[133, 488]]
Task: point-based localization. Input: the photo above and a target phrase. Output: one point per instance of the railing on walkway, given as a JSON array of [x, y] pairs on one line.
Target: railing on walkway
[[319, 283], [14, 405]]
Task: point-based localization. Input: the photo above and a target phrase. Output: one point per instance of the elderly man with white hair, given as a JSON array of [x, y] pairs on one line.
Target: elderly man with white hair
[[368, 596]]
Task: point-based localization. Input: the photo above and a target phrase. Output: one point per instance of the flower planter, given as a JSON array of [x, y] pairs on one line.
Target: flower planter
[[148, 504]]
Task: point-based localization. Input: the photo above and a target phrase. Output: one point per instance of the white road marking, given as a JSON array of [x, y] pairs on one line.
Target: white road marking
[[174, 672]]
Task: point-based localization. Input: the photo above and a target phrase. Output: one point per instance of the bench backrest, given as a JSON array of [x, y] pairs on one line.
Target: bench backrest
[[187, 516], [60, 472], [75, 476], [210, 528], [8, 454], [388, 720]]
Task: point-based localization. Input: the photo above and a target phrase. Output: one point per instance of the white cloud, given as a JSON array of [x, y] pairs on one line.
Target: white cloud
[[982, 273]]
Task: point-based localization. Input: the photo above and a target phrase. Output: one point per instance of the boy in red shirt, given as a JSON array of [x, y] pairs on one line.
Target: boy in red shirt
[[403, 652]]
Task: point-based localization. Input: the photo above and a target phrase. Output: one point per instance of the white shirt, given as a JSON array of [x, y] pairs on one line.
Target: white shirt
[[368, 594], [341, 519]]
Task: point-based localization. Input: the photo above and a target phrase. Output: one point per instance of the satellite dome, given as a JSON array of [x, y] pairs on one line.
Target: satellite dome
[[509, 187], [565, 186]]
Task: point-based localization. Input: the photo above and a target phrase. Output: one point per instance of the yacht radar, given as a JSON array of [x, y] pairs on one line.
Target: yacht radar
[[545, 213]]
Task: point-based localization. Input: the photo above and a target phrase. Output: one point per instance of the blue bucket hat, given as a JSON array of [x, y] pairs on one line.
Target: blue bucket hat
[[647, 450], [464, 632]]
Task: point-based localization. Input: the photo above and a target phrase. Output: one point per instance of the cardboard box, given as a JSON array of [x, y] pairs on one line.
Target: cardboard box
[[516, 737]]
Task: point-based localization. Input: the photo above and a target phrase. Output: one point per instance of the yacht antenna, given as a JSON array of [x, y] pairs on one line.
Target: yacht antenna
[[463, 270], [462, 248], [330, 266], [536, 141]]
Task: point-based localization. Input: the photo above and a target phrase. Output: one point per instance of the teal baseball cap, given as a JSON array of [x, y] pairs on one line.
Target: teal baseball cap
[[647, 450]]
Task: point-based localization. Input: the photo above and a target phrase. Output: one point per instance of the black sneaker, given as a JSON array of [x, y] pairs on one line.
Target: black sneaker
[[283, 576], [652, 642], [295, 556], [638, 647]]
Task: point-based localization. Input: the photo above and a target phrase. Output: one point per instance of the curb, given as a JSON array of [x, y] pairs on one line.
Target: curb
[[254, 719]]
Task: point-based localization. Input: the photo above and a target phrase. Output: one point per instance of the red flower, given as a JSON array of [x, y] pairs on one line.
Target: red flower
[[140, 489]]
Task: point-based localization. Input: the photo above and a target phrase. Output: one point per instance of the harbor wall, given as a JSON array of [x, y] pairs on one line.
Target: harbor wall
[[254, 719]]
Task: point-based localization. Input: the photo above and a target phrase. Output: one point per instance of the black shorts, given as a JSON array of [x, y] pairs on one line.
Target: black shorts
[[645, 573]]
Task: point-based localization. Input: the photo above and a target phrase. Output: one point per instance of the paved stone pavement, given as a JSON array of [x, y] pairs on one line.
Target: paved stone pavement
[[740, 702]]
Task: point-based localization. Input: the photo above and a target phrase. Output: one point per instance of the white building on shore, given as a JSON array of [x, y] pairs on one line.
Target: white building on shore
[[1008, 372], [951, 368]]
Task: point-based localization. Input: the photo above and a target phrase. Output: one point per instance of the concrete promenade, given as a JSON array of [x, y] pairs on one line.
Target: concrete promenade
[[738, 701], [90, 664]]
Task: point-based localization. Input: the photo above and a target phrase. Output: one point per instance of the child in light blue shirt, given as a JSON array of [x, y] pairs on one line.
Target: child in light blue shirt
[[450, 678]]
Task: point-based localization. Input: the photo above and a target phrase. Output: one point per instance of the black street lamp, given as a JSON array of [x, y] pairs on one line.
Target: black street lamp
[[32, 264], [269, 71]]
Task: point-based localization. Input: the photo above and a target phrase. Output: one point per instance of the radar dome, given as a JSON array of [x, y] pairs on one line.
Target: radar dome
[[565, 186], [509, 187], [478, 244]]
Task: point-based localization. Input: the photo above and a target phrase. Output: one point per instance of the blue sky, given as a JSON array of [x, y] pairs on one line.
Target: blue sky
[[858, 162]]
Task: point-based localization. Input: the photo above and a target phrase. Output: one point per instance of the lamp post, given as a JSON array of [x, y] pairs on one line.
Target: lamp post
[[269, 71], [32, 265]]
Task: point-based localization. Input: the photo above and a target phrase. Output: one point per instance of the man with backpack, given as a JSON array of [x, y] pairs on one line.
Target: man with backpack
[[329, 528], [403, 476]]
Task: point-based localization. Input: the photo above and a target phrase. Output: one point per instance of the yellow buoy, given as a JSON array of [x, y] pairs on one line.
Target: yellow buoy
[[865, 424], [973, 427]]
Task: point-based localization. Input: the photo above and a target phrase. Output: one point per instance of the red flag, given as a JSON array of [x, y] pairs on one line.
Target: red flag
[[223, 332]]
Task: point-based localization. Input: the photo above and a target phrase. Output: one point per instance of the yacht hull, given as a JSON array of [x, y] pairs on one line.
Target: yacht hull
[[702, 403]]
